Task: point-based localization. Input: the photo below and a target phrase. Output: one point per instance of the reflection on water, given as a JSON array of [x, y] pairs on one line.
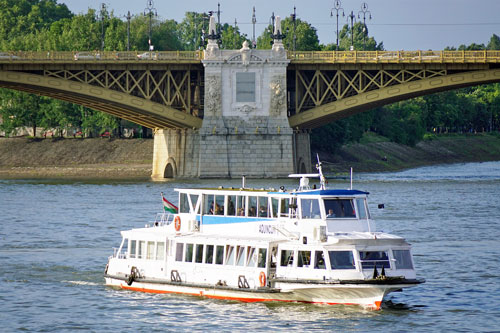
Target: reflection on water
[[55, 237]]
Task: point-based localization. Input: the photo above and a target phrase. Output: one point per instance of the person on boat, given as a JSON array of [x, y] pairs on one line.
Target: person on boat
[[211, 211], [330, 213], [230, 207], [252, 211], [262, 212], [241, 212]]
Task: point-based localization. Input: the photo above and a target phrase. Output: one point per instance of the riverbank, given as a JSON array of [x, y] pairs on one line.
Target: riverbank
[[23, 158]]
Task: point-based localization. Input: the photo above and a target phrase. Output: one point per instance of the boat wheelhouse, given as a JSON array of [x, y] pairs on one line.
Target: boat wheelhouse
[[304, 245]]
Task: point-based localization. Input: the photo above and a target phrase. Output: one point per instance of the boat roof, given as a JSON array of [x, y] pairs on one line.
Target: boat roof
[[332, 192]]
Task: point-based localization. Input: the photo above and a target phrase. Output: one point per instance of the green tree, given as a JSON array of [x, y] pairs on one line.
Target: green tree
[[232, 38], [359, 38], [306, 37], [494, 43]]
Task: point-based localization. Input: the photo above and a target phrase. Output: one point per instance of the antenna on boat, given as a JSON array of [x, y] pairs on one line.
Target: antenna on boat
[[351, 179], [322, 179]]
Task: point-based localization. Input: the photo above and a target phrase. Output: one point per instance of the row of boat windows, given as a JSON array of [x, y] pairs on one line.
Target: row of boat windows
[[270, 207], [221, 254], [236, 255], [344, 259], [141, 249]]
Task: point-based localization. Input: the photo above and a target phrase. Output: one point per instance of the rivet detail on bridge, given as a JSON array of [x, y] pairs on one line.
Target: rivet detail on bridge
[[75, 86], [330, 108], [179, 115], [415, 86], [478, 76], [393, 91], [116, 96], [137, 102], [350, 102], [13, 76], [496, 73], [158, 108], [457, 78], [54, 83], [34, 79], [436, 82], [96, 91], [372, 96], [306, 116]]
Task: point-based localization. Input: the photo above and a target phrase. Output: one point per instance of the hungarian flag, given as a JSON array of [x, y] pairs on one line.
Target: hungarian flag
[[168, 206]]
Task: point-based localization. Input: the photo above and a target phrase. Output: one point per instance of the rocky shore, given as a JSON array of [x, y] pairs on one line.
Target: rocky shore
[[23, 158]]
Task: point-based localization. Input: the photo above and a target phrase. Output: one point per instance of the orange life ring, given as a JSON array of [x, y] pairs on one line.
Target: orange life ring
[[262, 279], [177, 223]]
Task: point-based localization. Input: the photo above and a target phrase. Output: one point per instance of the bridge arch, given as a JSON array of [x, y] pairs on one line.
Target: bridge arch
[[347, 106], [170, 170], [138, 110]]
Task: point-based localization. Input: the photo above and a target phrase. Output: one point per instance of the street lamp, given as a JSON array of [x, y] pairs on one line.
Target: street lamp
[[102, 14], [150, 10], [337, 7], [364, 10], [254, 20], [294, 20], [128, 17], [353, 18]]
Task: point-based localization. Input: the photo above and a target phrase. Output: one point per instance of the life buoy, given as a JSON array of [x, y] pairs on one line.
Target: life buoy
[[177, 223], [262, 279]]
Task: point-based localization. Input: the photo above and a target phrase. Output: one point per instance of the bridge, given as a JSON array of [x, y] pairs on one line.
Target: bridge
[[172, 93]]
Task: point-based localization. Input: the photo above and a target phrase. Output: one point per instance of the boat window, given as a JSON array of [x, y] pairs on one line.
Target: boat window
[[189, 253], [251, 256], [124, 246], [229, 255], [284, 207], [403, 259], [304, 259], [263, 207], [160, 250], [219, 255], [178, 251], [252, 206], [208, 204], [132, 248], [319, 260], [240, 255], [371, 258], [231, 208], [240, 205], [151, 250], [286, 258], [209, 254], [219, 205], [142, 250], [183, 203], [310, 209], [339, 208], [361, 208], [262, 258], [194, 201], [293, 207], [274, 204], [341, 260], [199, 253]]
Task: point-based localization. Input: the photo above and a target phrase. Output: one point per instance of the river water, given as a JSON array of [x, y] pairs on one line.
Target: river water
[[55, 237]]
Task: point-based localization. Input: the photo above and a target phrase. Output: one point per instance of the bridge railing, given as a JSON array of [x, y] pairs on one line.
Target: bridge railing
[[484, 56], [98, 56]]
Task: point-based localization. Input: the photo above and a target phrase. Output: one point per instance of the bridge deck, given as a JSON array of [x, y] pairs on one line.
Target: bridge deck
[[311, 57]]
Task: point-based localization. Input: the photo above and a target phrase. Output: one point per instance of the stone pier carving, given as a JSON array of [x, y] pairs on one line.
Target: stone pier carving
[[278, 100]]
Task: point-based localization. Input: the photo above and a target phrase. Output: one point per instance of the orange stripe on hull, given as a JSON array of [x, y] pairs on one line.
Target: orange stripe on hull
[[376, 306]]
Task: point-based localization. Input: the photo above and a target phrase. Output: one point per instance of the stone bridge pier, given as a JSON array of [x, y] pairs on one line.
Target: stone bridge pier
[[245, 127]]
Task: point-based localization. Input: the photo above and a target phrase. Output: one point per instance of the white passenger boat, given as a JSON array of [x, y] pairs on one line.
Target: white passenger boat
[[304, 245]]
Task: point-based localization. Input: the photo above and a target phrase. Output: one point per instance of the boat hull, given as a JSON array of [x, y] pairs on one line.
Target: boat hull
[[369, 296]]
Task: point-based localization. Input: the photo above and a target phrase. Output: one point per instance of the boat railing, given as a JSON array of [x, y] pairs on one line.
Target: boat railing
[[119, 255], [162, 219]]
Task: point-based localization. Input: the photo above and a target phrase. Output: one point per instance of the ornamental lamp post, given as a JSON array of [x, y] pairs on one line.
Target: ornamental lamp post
[[150, 10], [102, 15], [353, 18], [337, 7], [254, 20], [128, 17], [364, 10], [293, 16]]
